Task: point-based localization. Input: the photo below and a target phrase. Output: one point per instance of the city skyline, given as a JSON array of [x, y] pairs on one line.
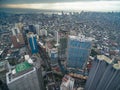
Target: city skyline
[[59, 45], [28, 44], [87, 5]]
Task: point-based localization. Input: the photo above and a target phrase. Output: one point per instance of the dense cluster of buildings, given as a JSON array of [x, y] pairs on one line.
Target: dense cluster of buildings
[[57, 52]]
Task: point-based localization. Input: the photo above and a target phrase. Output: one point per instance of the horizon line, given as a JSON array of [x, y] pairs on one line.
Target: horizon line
[[70, 6]]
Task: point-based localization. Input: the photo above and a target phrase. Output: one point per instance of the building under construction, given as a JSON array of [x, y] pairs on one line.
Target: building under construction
[[78, 51]]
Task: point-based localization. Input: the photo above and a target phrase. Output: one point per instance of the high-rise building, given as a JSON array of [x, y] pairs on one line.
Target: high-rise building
[[32, 42], [32, 29], [4, 68], [53, 54], [21, 39], [17, 38], [103, 75], [24, 77], [67, 83], [15, 41], [37, 29], [43, 32], [78, 50], [56, 37], [62, 48]]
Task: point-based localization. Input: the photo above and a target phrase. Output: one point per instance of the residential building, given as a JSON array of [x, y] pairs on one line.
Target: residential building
[[17, 38]]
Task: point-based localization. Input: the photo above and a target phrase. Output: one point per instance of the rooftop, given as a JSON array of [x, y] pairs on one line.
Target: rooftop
[[23, 69], [80, 38], [30, 34], [116, 66], [22, 66], [103, 57], [13, 77]]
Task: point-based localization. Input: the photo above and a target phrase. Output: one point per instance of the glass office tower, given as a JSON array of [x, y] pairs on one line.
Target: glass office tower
[[78, 51], [32, 43]]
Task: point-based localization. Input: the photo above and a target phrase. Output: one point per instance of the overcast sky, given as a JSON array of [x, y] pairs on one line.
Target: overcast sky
[[89, 5], [43, 1]]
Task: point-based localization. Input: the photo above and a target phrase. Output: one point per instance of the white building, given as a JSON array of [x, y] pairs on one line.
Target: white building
[[56, 37], [67, 83], [43, 32], [24, 77], [37, 29]]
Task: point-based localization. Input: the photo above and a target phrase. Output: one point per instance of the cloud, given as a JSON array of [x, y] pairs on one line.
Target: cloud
[[76, 6], [42, 1]]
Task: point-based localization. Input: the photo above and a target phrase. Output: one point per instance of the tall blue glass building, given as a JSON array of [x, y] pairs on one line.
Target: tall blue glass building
[[78, 51], [103, 75], [33, 43]]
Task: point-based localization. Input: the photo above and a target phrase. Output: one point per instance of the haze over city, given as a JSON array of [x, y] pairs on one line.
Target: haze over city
[[76, 5]]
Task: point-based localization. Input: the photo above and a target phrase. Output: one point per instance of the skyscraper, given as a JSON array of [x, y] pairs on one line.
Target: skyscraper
[[78, 51], [56, 38], [103, 75], [15, 42], [53, 54], [17, 38], [37, 26], [24, 77], [32, 41]]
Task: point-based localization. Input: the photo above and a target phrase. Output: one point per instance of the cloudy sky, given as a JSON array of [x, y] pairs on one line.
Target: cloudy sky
[[88, 5]]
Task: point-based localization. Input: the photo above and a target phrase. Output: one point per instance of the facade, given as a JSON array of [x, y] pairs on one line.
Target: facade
[[32, 29], [78, 51], [103, 75], [32, 42], [4, 68], [37, 29], [15, 42], [62, 48], [24, 77], [17, 38], [56, 37], [53, 54], [43, 32], [21, 39]]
